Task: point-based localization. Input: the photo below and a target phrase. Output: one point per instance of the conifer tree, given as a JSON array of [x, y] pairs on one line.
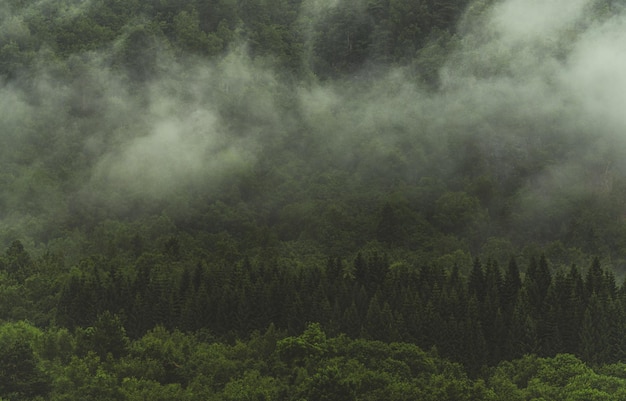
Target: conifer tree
[[594, 340], [510, 287], [476, 281], [594, 280]]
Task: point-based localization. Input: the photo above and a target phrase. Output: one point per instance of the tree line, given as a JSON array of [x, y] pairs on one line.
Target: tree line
[[478, 315], [101, 361]]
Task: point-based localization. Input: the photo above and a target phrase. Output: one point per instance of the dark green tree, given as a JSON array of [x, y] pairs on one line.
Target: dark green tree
[[510, 287], [595, 346], [21, 376], [594, 280], [106, 336], [17, 261], [476, 284]]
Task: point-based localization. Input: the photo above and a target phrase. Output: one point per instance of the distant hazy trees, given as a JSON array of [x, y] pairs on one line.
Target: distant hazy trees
[[345, 36]]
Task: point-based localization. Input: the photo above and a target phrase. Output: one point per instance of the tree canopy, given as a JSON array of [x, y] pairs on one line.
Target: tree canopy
[[349, 199]]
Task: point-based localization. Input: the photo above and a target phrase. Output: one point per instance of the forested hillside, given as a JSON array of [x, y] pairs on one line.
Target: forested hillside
[[312, 199]]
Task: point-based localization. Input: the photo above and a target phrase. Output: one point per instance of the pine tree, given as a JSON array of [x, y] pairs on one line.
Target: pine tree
[[374, 323], [522, 336], [537, 282], [352, 323], [594, 333], [476, 281], [617, 339], [551, 340], [490, 313], [594, 280], [475, 355], [543, 277], [510, 287]]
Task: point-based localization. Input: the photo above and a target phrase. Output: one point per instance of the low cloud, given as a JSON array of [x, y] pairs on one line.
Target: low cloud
[[522, 75]]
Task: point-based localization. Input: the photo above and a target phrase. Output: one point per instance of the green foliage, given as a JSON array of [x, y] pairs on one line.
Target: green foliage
[[106, 337], [351, 240], [21, 374], [141, 389], [252, 386], [300, 350], [171, 365], [478, 320], [563, 377], [190, 37]]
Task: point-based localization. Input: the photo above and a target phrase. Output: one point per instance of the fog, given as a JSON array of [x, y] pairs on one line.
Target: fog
[[522, 75]]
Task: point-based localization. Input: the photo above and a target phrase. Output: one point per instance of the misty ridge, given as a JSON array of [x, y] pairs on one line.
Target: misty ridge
[[312, 199], [508, 125]]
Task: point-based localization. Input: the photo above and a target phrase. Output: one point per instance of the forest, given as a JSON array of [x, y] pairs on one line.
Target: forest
[[312, 200]]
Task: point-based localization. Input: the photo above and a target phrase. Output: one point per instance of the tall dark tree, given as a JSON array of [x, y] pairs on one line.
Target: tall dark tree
[[17, 261], [20, 376], [511, 286], [594, 340], [568, 309], [476, 281], [537, 281], [594, 280]]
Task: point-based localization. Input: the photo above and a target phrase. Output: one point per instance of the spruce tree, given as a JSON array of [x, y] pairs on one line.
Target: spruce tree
[[476, 281]]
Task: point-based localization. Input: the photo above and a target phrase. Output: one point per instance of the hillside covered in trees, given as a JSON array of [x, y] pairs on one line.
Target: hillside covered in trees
[[312, 199]]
